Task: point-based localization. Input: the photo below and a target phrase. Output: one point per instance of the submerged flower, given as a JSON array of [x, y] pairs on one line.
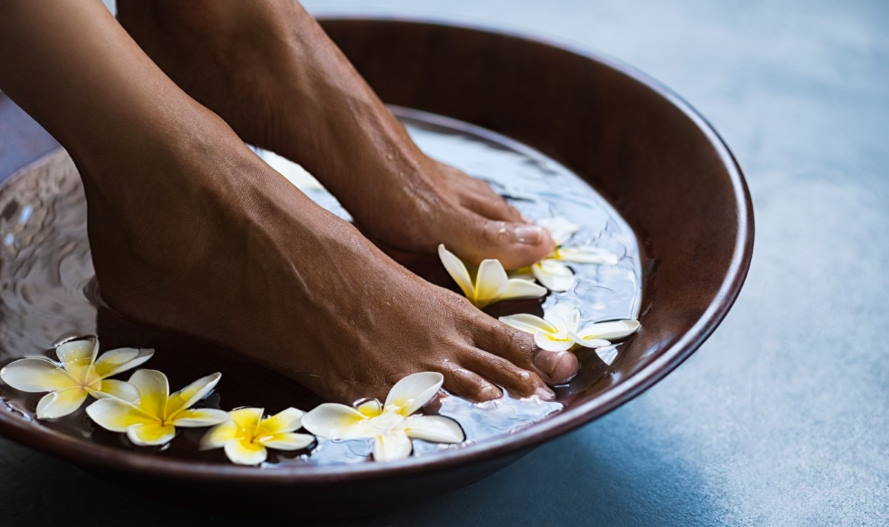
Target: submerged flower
[[391, 425], [77, 374], [153, 418], [558, 330], [551, 272], [246, 435], [491, 283]]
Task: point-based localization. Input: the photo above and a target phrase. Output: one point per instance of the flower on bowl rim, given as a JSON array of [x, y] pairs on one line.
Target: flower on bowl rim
[[152, 419], [391, 425], [550, 271], [559, 329], [491, 283], [246, 435], [79, 372]]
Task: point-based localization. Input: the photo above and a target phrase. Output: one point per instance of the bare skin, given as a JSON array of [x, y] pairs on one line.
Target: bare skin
[[272, 73], [190, 230]]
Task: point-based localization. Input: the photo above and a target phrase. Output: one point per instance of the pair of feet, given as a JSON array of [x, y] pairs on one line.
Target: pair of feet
[[199, 235]]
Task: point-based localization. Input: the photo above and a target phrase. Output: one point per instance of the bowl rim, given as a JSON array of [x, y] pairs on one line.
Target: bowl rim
[[108, 458]]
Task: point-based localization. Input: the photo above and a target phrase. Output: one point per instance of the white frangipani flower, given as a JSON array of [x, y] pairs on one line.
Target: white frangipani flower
[[153, 418], [491, 282], [390, 425], [551, 272], [559, 330], [78, 373], [246, 435]]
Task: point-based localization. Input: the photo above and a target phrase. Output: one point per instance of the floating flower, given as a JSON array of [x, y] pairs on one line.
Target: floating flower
[[78, 374], [558, 330], [551, 272], [491, 282], [392, 424], [153, 418], [246, 435]]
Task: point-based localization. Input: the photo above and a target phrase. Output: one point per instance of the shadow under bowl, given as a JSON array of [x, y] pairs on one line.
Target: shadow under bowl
[[647, 151]]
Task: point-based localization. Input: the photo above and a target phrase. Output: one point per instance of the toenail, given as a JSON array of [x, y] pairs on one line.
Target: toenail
[[545, 393], [530, 234], [490, 392], [559, 366]]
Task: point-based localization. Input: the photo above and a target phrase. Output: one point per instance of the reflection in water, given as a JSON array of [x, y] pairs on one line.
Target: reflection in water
[[48, 291]]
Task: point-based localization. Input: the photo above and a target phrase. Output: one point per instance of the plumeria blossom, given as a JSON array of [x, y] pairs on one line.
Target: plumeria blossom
[[391, 425], [491, 282], [77, 374], [551, 272], [559, 329], [152, 419], [246, 435]]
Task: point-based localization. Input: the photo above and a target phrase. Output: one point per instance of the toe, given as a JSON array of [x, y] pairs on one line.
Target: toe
[[517, 381], [554, 367], [484, 201], [515, 244], [559, 367], [463, 382]]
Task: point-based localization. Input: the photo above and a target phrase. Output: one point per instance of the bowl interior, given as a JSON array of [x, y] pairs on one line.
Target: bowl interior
[[661, 166]]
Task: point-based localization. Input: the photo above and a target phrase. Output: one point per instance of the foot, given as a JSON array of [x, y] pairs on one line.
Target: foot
[[243, 59], [240, 256]]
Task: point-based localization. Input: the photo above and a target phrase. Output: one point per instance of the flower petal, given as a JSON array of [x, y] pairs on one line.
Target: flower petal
[[333, 421], [197, 417], [247, 418], [115, 388], [554, 275], [149, 434], [154, 389], [410, 393], [435, 428], [607, 354], [117, 415], [192, 393], [564, 316], [60, 404], [613, 330], [529, 323], [490, 281], [591, 342], [219, 435], [560, 229], [287, 441], [371, 408], [286, 420], [457, 269], [394, 445], [115, 361], [517, 288], [78, 353], [36, 374], [550, 342], [587, 255], [245, 452]]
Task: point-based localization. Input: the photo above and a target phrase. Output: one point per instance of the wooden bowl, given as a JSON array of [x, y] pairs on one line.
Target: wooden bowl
[[645, 149]]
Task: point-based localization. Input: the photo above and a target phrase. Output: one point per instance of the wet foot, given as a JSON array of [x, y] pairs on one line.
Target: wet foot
[[270, 71], [237, 255]]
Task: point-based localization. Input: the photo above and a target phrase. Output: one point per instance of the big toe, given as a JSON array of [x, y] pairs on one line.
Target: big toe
[[514, 244], [558, 366]]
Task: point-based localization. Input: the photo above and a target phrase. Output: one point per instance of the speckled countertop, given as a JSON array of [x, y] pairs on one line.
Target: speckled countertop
[[782, 417]]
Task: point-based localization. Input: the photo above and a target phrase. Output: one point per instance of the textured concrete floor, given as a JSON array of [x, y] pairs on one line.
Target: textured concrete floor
[[782, 417]]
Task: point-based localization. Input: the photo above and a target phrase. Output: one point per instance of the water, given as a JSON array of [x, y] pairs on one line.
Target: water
[[48, 291]]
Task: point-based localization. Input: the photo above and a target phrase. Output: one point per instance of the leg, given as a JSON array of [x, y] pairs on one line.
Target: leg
[[189, 230], [243, 59]]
